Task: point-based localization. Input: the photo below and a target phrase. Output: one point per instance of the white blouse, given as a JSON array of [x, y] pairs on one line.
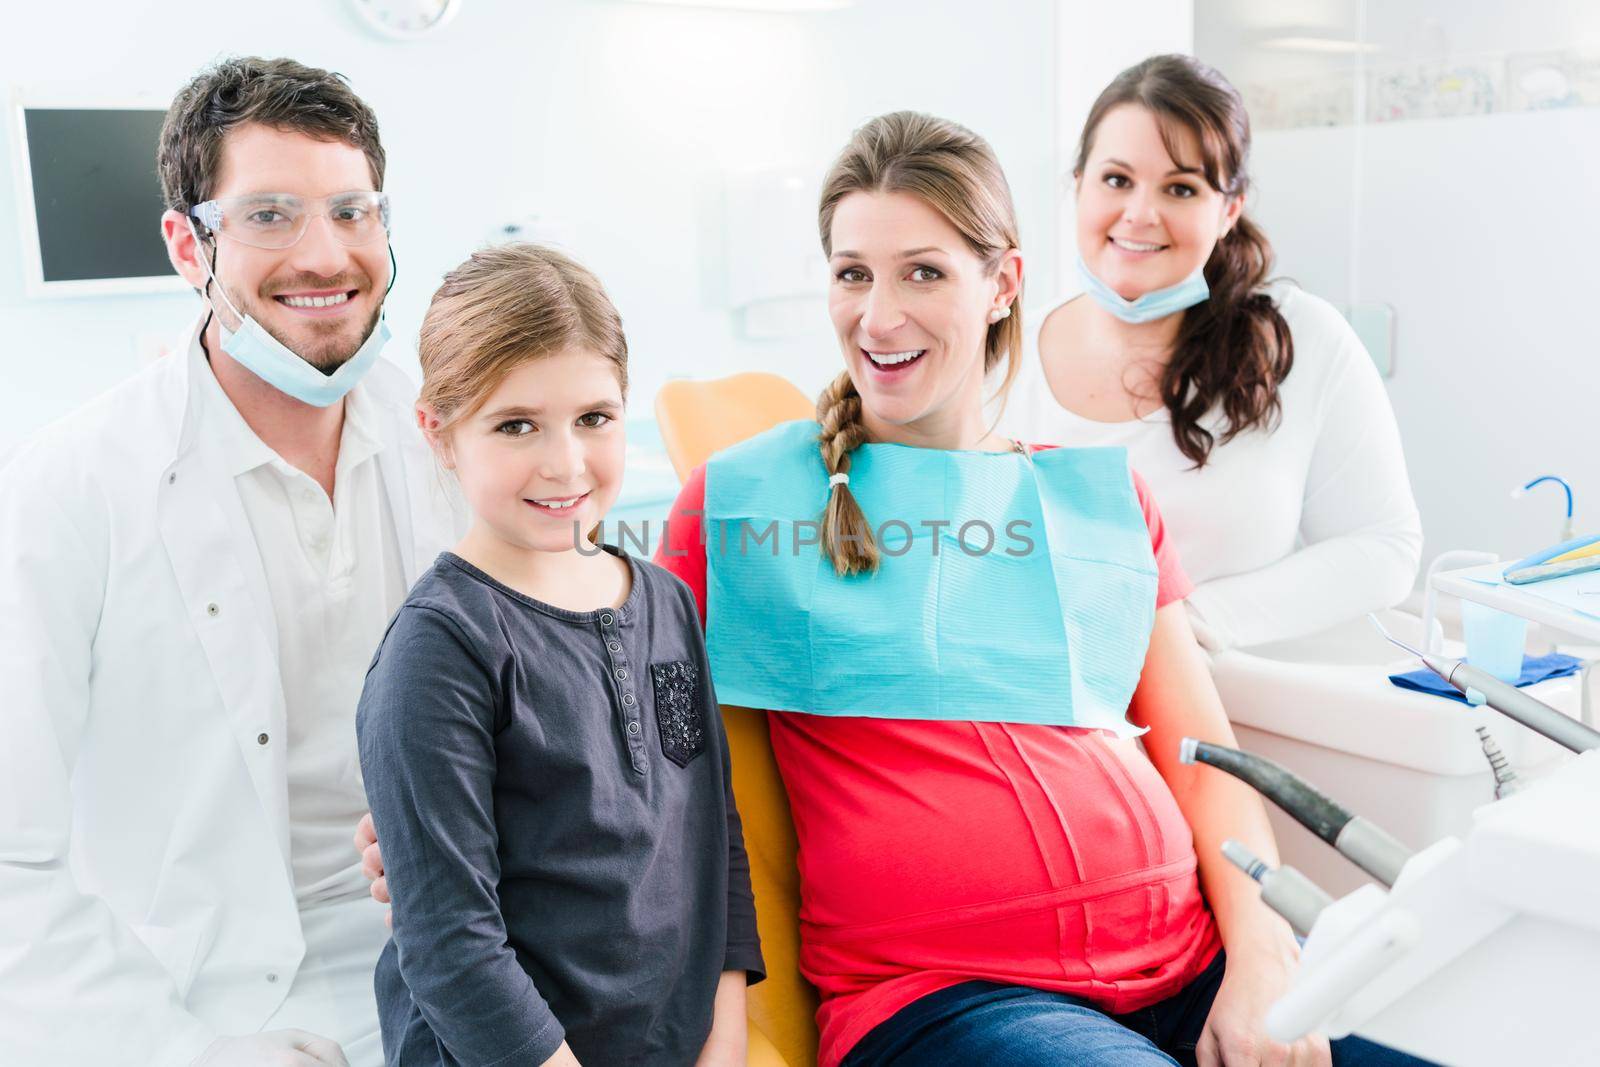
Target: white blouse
[[1284, 532]]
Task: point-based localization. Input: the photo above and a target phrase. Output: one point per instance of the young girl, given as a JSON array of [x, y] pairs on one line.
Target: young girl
[[542, 750]]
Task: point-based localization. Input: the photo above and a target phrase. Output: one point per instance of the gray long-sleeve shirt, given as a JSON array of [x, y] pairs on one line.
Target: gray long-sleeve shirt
[[552, 793]]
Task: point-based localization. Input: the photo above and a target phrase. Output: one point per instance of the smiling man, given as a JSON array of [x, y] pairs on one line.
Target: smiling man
[[195, 570]]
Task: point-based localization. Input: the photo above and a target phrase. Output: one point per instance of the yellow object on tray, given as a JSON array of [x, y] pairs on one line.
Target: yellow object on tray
[[1590, 549]]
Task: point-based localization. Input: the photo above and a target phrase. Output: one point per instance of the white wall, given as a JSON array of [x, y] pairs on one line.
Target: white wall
[[1480, 233], [618, 120]]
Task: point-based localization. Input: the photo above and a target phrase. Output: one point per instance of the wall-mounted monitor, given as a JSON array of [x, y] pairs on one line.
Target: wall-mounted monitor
[[89, 199]]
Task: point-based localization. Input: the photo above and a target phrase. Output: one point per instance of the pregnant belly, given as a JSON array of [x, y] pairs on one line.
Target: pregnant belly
[[907, 826]]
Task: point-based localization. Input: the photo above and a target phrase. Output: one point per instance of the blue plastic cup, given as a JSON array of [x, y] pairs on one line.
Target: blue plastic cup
[[1494, 640]]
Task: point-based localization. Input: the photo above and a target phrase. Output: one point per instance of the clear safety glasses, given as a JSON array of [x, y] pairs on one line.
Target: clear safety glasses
[[279, 220]]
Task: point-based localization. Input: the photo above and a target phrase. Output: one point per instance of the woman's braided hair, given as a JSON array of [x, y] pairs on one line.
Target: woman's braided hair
[[954, 171]]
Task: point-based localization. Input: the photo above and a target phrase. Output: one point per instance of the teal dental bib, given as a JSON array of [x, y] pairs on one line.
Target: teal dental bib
[[1049, 625]]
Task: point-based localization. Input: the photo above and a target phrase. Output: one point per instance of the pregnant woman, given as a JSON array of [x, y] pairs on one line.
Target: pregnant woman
[[958, 638]]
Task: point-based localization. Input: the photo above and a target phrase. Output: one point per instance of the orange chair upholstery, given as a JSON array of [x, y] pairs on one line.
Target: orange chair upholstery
[[761, 1052], [697, 419]]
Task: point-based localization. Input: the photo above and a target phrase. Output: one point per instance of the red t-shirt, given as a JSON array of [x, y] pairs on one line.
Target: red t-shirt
[[933, 853]]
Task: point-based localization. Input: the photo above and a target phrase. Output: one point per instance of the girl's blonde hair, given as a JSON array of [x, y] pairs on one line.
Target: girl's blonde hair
[[955, 172], [504, 306]]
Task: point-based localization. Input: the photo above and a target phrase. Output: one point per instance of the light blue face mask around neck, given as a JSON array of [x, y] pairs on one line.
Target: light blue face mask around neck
[[276, 364], [1151, 306]]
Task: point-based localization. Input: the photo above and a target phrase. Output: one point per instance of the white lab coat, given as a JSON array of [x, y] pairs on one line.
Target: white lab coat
[[146, 899]]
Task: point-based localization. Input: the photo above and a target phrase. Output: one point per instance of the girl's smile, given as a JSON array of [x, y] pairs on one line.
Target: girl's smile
[[541, 463]]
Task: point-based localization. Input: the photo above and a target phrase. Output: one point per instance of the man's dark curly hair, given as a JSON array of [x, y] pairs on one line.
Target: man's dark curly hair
[[274, 92]]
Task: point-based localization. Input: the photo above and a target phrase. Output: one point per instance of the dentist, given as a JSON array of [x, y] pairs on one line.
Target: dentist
[[195, 570]]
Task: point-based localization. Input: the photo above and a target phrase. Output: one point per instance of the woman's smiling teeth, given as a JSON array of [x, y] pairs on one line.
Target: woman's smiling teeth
[[893, 359], [315, 301], [1135, 246]]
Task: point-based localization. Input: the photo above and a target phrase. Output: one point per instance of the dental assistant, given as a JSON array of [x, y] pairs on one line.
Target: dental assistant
[[1251, 407], [195, 570]]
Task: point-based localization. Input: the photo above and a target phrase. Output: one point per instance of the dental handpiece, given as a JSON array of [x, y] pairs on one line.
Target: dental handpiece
[[1283, 889], [1505, 698], [1513, 703], [1361, 842]]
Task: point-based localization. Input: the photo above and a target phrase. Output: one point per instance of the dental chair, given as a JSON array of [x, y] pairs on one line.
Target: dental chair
[[696, 419], [699, 418]]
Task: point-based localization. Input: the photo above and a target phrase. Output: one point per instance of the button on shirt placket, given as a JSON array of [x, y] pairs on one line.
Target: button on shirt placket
[[313, 516], [622, 680]]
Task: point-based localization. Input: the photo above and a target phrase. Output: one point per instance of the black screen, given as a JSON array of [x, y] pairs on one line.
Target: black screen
[[96, 197]]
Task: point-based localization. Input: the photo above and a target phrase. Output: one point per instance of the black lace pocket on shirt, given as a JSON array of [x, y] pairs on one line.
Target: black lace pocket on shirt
[[678, 710]]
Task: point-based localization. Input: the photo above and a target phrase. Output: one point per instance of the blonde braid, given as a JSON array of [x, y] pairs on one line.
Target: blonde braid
[[846, 535]]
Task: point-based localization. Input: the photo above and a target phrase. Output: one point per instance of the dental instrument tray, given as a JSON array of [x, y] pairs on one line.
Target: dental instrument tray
[[1571, 549], [1544, 571]]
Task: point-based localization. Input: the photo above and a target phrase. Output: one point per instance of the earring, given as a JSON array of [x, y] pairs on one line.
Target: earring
[[999, 314]]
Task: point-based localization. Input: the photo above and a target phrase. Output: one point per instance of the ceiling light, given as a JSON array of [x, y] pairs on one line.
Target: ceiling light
[[1326, 45], [758, 5]]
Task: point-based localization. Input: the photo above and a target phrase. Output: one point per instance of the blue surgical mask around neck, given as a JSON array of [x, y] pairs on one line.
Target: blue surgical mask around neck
[[1150, 306], [280, 367], [276, 364]]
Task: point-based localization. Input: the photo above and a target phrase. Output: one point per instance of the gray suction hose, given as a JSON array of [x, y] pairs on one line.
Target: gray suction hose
[[1506, 781], [1362, 842], [1283, 889]]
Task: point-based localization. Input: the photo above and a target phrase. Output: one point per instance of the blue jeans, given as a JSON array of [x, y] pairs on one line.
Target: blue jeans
[[1014, 1026]]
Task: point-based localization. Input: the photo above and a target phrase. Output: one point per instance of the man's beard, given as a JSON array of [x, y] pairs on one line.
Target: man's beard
[[329, 349], [328, 354]]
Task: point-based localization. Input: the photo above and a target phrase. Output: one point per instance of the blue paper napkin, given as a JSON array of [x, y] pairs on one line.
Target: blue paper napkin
[[1534, 669]]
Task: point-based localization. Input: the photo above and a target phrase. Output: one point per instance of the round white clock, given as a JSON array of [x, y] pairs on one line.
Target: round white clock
[[406, 20]]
